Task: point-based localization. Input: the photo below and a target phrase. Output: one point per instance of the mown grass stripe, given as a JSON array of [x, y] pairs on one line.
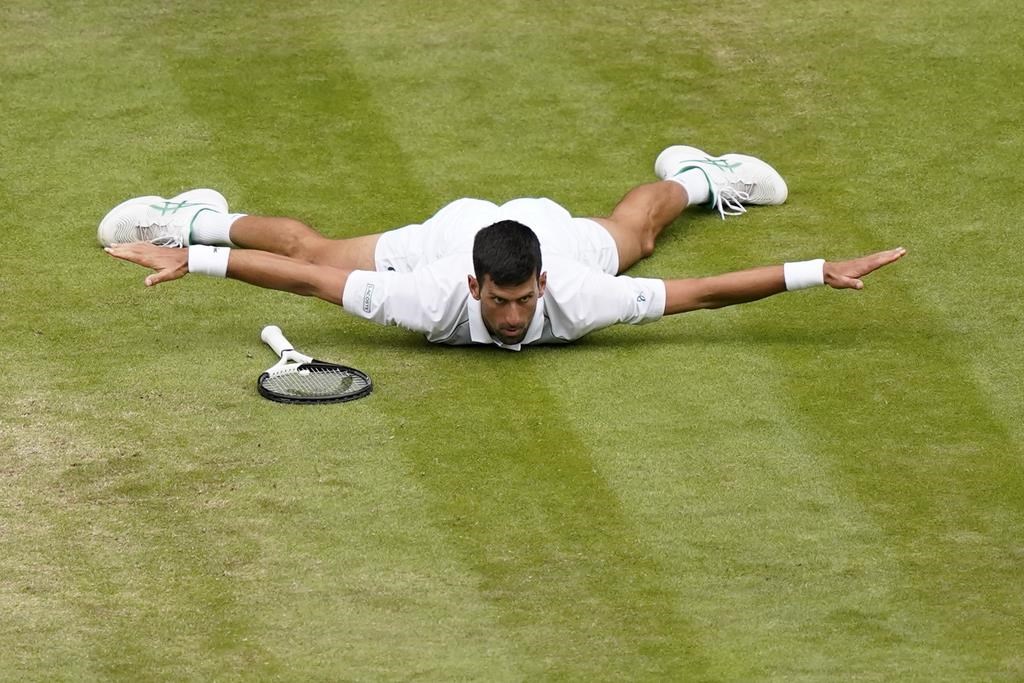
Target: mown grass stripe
[[118, 548], [764, 547], [932, 455], [521, 498], [947, 486]]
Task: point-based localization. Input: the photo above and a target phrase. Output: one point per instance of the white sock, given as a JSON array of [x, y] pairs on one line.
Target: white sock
[[696, 185], [213, 228]]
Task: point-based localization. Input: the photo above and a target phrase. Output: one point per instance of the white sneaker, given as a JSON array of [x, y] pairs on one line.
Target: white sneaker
[[163, 222], [734, 179]]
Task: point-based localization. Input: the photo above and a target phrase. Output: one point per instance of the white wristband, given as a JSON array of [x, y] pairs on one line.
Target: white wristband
[[804, 274], [212, 261]]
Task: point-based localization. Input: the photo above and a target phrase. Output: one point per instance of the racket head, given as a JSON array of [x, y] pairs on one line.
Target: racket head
[[313, 382]]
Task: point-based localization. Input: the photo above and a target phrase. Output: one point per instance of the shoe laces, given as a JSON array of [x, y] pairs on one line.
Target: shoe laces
[[725, 198], [729, 201]]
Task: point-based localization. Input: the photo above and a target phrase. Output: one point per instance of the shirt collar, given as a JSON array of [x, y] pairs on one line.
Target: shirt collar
[[478, 330]]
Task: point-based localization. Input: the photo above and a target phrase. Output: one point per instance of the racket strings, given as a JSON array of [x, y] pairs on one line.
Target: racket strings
[[318, 382]]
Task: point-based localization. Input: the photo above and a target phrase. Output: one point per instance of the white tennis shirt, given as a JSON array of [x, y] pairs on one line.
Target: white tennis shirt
[[421, 281]]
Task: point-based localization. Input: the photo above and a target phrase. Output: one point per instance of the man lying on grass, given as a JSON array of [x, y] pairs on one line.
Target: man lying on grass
[[525, 272]]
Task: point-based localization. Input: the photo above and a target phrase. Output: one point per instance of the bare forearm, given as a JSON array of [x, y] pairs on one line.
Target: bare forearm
[[260, 268], [757, 283], [718, 291], [272, 271]]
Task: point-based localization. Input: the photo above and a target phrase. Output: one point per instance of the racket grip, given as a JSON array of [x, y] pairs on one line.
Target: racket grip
[[273, 337]]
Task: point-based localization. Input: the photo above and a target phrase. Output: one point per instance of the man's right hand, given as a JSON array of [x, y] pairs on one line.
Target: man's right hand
[[168, 263]]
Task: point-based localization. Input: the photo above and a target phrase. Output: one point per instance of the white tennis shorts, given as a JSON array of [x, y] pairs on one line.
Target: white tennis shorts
[[451, 231]]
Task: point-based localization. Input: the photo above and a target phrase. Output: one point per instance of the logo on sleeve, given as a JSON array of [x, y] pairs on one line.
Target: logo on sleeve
[[367, 298], [641, 298]]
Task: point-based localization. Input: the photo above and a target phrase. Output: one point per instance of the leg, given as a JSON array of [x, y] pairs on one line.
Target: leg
[[293, 238], [201, 217], [639, 218], [688, 174]]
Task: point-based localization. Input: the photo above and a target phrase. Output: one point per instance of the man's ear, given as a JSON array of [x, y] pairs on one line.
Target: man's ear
[[474, 287], [542, 282]]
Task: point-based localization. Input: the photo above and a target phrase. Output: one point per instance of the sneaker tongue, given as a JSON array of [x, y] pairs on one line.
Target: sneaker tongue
[[157, 234]]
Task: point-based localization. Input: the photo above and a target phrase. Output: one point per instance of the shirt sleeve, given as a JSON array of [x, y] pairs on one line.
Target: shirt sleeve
[[583, 300], [428, 300]]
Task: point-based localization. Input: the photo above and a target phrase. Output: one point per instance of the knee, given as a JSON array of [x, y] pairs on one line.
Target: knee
[[646, 246], [300, 241]]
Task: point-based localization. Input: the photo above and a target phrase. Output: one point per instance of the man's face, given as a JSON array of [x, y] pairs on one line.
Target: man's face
[[508, 310]]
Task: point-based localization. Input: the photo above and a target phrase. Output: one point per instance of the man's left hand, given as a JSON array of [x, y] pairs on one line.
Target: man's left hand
[[848, 274]]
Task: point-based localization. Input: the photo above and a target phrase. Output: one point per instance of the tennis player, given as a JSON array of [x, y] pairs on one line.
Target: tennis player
[[524, 272]]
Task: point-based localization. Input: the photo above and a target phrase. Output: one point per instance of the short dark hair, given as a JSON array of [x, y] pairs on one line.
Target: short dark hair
[[508, 251]]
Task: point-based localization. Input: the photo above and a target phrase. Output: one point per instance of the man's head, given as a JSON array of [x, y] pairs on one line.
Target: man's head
[[509, 281]]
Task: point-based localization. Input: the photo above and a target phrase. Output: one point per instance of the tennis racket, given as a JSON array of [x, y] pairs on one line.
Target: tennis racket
[[298, 378]]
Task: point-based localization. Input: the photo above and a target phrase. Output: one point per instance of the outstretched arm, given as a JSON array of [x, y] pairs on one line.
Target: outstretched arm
[[757, 283], [259, 268]]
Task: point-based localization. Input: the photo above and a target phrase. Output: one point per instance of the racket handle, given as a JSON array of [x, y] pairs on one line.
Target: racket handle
[[273, 337]]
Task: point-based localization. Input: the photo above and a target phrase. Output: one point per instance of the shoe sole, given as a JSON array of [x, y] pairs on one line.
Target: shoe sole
[[109, 223]]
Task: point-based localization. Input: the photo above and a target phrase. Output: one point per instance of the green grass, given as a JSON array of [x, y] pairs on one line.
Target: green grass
[[825, 485]]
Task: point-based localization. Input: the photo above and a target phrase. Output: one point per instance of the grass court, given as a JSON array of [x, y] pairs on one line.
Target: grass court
[[820, 486]]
